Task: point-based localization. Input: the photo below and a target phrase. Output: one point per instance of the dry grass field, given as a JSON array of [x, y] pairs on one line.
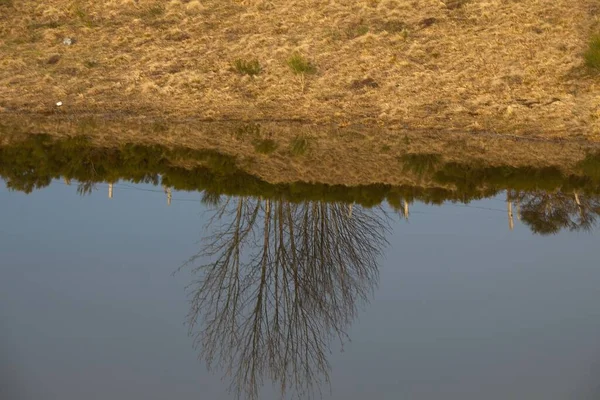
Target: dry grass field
[[503, 66]]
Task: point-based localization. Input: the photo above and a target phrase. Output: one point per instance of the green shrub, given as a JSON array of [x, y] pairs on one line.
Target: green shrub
[[592, 55], [300, 65]]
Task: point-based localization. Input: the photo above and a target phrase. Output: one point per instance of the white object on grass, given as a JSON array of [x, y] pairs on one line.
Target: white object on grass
[[59, 104]]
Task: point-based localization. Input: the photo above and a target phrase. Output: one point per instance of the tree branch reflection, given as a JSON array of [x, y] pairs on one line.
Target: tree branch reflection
[[548, 213], [281, 282]]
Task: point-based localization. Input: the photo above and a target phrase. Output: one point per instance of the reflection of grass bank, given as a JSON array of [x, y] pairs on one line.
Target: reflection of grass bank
[[33, 163], [314, 153]]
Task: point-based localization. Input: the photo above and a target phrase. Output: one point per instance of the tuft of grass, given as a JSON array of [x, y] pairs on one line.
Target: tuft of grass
[[154, 11], [592, 55], [7, 3], [357, 30], [385, 148], [299, 145], [90, 63], [47, 25], [247, 67], [265, 146], [300, 65], [393, 26], [247, 130], [83, 15]]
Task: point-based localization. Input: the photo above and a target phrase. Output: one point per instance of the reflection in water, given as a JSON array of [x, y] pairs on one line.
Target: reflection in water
[[276, 283], [549, 213], [547, 198], [285, 267]]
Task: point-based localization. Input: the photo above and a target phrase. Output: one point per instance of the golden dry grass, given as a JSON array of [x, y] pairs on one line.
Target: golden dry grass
[[475, 65]]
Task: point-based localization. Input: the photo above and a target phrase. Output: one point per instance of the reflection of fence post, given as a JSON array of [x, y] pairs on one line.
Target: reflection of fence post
[[518, 210], [511, 222], [169, 194], [350, 210], [578, 204], [406, 212], [67, 181], [110, 190]]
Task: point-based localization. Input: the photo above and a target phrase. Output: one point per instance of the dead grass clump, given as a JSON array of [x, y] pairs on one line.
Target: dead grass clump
[[53, 59], [455, 4], [592, 55], [90, 63], [178, 36], [154, 11], [45, 25], [363, 83], [393, 26], [247, 67], [357, 30], [244, 131], [264, 146], [299, 145], [83, 15]]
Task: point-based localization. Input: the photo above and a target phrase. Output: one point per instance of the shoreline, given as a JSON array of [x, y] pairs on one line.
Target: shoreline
[[320, 154]]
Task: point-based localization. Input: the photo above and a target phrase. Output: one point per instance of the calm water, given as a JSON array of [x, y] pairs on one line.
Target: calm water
[[445, 302]]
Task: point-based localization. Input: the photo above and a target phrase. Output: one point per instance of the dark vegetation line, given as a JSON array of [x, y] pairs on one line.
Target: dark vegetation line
[[33, 163]]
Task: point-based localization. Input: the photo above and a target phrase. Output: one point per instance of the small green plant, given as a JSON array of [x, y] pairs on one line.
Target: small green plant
[[247, 67], [299, 145], [592, 55], [7, 3], [265, 146], [300, 65]]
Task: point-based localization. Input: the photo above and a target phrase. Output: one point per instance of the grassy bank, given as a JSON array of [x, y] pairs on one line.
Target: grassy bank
[[473, 65]]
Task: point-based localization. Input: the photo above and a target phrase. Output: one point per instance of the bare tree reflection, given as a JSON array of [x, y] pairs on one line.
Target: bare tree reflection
[[85, 188], [281, 282], [549, 213]]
